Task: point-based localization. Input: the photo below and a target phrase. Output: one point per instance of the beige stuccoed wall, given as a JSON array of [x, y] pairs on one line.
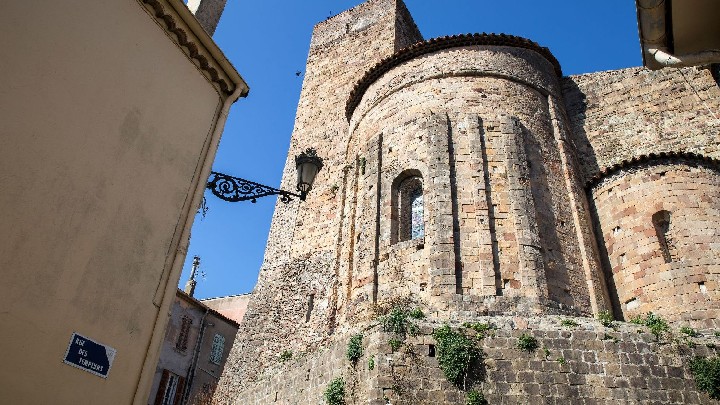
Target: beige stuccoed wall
[[233, 307], [107, 130]]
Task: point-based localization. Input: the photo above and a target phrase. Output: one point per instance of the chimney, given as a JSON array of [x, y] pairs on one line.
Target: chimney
[[207, 12], [190, 285]]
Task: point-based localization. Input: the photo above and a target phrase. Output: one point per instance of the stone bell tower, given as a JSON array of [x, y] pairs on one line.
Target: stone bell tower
[[296, 298]]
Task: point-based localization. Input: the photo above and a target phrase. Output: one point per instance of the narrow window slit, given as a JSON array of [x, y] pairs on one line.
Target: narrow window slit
[[311, 303], [661, 223]]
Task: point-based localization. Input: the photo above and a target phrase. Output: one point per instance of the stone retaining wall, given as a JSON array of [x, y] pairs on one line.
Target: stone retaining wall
[[583, 364]]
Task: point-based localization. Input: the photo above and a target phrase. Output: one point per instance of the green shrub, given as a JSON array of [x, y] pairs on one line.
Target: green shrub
[[689, 331], [707, 375], [527, 343], [412, 329], [395, 344], [335, 392], [397, 322], [285, 356], [354, 348], [561, 360], [637, 320], [371, 363], [479, 327], [475, 397], [606, 319], [657, 325], [568, 323], [416, 313], [455, 353]]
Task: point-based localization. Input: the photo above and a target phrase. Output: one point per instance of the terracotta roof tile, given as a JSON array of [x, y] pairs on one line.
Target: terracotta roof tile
[[644, 159]]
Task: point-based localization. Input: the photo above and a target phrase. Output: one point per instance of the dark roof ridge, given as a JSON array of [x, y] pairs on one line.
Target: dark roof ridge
[[436, 44]]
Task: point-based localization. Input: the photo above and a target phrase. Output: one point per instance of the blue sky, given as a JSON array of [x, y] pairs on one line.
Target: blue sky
[[267, 42]]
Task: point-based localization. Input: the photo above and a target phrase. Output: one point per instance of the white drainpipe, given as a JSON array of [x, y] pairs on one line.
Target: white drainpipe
[[693, 59]]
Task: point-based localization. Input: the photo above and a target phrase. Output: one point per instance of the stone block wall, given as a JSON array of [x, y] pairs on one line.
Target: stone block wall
[[674, 274], [479, 123], [587, 364], [516, 165], [619, 114]]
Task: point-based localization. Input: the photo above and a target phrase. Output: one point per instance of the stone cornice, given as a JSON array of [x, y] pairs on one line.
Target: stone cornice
[[653, 158], [186, 32], [437, 44]]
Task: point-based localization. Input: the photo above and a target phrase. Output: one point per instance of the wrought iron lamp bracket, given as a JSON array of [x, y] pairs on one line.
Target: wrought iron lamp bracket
[[235, 189]]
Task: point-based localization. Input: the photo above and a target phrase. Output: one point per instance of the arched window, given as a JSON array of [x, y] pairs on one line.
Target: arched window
[[661, 222], [410, 209]]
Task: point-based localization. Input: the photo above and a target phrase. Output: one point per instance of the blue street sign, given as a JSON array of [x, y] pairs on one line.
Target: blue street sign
[[88, 355]]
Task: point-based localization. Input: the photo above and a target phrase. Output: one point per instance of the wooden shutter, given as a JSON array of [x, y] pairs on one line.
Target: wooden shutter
[[162, 387], [179, 390]]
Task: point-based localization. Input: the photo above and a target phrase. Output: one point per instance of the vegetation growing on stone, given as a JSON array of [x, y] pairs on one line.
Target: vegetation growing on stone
[[285, 356], [456, 354], [706, 372], [568, 323], [416, 313], [397, 322], [479, 327], [608, 336], [395, 344], [690, 332], [475, 397], [637, 320], [371, 363], [606, 319], [657, 325], [335, 392], [527, 343], [354, 348]]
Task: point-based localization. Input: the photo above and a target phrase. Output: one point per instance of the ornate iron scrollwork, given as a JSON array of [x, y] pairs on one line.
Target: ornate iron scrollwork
[[234, 189]]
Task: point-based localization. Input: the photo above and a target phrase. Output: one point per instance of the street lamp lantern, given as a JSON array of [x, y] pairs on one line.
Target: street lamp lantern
[[308, 165], [234, 189]]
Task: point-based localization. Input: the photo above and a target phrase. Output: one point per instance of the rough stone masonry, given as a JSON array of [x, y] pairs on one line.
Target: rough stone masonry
[[467, 177]]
